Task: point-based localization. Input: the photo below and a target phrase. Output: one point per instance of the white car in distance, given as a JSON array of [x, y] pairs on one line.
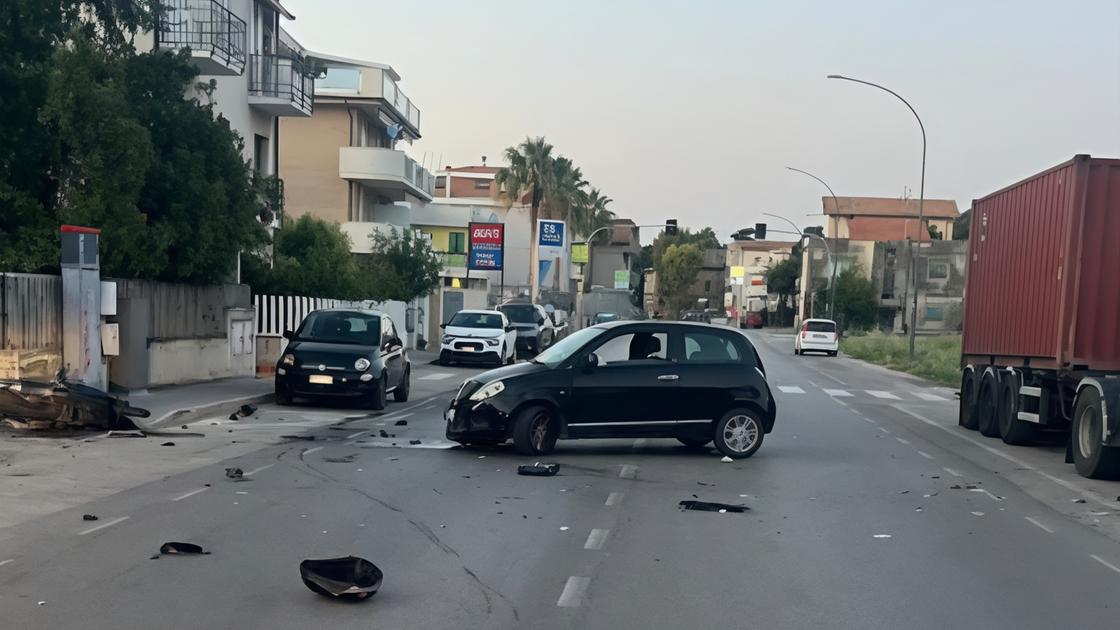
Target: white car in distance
[[817, 335], [478, 337]]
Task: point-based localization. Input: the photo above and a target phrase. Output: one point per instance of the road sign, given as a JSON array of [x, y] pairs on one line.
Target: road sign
[[738, 272], [621, 279], [579, 253], [487, 244], [550, 233]]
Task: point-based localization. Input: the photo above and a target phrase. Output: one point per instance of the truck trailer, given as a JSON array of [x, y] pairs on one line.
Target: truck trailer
[[1040, 353]]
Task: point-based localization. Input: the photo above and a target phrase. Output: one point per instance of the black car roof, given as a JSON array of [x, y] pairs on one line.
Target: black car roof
[[363, 311], [655, 322]]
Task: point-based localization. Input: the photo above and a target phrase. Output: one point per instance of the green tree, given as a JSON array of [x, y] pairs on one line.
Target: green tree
[[401, 267], [680, 264], [590, 213], [857, 300], [703, 239], [782, 279], [311, 258], [961, 225]]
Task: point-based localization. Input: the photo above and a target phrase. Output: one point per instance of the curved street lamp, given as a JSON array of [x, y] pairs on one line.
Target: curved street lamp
[[921, 200], [836, 206]]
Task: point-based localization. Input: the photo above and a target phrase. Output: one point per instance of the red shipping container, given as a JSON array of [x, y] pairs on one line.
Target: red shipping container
[[1043, 279]]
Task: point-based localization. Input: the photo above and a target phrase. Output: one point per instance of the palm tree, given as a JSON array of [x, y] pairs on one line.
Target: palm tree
[[529, 174], [566, 190], [591, 212]]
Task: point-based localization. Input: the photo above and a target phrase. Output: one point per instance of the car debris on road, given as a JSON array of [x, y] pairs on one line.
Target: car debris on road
[[538, 469], [706, 506], [343, 578], [174, 548]]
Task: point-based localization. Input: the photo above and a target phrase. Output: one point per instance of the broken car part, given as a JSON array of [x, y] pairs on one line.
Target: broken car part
[[344, 578], [64, 403], [538, 469], [172, 548], [705, 506]]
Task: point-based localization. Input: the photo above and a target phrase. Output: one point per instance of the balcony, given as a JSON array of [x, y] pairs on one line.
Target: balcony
[[398, 101], [365, 84], [391, 173], [214, 35], [278, 85]]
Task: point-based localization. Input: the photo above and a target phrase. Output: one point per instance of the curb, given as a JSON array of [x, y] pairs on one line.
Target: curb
[[187, 415]]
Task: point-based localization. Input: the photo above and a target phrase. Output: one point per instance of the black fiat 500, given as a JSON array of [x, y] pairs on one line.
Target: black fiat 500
[[344, 353], [694, 382]]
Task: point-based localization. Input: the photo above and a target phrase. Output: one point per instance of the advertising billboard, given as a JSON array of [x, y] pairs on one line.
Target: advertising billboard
[[487, 244]]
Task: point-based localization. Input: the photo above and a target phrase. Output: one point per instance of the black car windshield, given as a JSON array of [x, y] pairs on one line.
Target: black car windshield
[[567, 347], [820, 326], [476, 320], [520, 313], [348, 327]]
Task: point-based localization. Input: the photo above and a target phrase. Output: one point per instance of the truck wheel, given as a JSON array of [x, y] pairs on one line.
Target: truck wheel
[[986, 403], [1092, 458], [534, 431], [966, 417], [1013, 430]]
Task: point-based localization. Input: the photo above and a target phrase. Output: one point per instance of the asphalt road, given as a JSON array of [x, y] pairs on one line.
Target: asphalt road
[[868, 509]]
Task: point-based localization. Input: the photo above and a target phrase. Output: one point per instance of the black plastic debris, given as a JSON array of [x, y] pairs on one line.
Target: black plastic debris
[[89, 517], [383, 433], [1079, 500], [348, 578], [701, 483], [234, 416], [168, 444], [538, 469], [955, 486], [235, 473], [705, 506], [184, 427], [126, 434], [306, 438], [246, 410], [173, 548], [414, 442], [401, 423], [904, 492]]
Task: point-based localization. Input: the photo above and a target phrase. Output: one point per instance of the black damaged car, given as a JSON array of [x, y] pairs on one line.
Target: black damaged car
[[694, 382]]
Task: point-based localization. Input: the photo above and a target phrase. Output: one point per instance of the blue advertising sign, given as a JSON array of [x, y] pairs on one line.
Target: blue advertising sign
[[550, 233]]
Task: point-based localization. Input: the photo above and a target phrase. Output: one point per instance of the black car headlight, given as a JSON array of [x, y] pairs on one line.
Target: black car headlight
[[288, 360], [489, 390], [361, 364]]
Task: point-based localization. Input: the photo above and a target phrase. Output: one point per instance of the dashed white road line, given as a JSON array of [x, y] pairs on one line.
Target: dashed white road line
[[8, 561], [952, 472], [902, 441], [838, 393], [984, 491], [257, 470], [190, 494], [925, 455], [1039, 525], [313, 450], [574, 588], [596, 539], [1015, 460], [403, 416], [103, 525], [881, 394], [613, 499], [884, 430], [791, 389], [628, 471], [929, 397], [868, 420], [1105, 562], [437, 376], [354, 435]]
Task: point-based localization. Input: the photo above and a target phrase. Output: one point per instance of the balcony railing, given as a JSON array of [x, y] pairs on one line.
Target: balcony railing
[[386, 169], [282, 77], [208, 29], [395, 97]]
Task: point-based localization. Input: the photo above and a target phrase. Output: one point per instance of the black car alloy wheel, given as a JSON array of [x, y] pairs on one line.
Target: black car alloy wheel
[[534, 431], [738, 434]]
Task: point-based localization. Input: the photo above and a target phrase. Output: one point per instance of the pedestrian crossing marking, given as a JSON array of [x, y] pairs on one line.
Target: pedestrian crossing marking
[[930, 397], [438, 376], [884, 395], [838, 393], [791, 389]]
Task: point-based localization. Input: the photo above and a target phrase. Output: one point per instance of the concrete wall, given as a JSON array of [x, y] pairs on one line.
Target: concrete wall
[[176, 361], [309, 164]]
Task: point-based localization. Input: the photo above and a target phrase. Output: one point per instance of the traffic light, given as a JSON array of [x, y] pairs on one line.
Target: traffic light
[[671, 227], [745, 234], [817, 230], [760, 231]]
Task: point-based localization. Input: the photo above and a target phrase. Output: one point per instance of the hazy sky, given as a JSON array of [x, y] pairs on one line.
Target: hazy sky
[[693, 109]]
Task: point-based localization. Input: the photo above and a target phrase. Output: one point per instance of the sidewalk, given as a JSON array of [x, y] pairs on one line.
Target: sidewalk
[[182, 404]]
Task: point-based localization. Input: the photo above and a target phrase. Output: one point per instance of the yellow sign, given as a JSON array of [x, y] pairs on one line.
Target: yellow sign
[[579, 253], [738, 272]]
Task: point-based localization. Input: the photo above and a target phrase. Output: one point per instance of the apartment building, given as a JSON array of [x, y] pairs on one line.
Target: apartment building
[[259, 70], [888, 219], [748, 263], [343, 164]]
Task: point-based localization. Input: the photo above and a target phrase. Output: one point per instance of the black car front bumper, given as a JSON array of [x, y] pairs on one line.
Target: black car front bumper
[[345, 384]]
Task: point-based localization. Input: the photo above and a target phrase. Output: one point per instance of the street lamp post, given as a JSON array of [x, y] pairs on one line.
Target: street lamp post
[[836, 206], [827, 250], [921, 202]]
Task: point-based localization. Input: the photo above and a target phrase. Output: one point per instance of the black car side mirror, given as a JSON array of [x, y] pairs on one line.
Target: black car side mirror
[[289, 335], [511, 328], [443, 326], [591, 360]]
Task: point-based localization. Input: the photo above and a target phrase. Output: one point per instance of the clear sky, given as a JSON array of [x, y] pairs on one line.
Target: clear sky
[[692, 109]]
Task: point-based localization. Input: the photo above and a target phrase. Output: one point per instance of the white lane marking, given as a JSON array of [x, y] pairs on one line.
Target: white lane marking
[[596, 539], [8, 561], [354, 435], [884, 430], [868, 420], [1014, 460], [881, 394], [838, 393], [437, 376], [257, 470], [990, 495], [902, 441], [572, 596], [403, 415], [190, 494], [930, 397], [613, 499], [791, 389], [952, 472], [103, 525], [882, 535], [925, 455], [313, 450], [639, 443], [1104, 562], [628, 471], [1039, 525]]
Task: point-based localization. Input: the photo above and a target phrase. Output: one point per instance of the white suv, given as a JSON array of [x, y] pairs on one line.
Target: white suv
[[478, 336], [817, 335]]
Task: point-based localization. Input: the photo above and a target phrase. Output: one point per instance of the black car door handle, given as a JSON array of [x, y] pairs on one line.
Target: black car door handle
[[668, 377]]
